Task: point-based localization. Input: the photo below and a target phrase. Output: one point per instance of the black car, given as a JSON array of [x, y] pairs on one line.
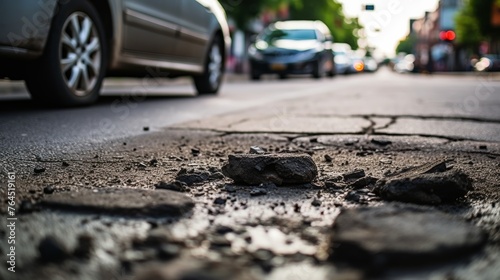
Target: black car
[[292, 47]]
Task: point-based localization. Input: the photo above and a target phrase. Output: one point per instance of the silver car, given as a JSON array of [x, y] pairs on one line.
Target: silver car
[[63, 49]]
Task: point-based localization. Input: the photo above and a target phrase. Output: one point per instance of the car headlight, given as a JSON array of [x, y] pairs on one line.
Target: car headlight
[[255, 54]]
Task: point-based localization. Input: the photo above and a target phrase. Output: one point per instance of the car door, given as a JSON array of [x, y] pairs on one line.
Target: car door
[[195, 27], [151, 27]]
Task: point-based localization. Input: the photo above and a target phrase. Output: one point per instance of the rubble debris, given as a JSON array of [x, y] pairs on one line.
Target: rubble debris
[[39, 169], [220, 201], [280, 169], [49, 190], [258, 192], [85, 246], [176, 186], [428, 184], [191, 177], [328, 158], [381, 142], [316, 202], [52, 250], [122, 201], [353, 175], [145, 128], [65, 164], [256, 150], [363, 182], [377, 237]]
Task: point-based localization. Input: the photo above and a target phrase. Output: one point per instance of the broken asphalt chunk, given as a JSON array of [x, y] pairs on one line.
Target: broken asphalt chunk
[[394, 235], [280, 169], [122, 201], [192, 177], [428, 184], [353, 175]]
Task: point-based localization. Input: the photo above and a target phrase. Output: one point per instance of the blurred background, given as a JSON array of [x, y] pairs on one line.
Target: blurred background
[[409, 36]]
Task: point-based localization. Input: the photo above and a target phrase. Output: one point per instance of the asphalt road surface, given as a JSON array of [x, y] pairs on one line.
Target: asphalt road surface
[[456, 107]]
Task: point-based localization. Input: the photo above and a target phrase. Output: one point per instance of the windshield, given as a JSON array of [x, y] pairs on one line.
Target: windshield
[[274, 35]]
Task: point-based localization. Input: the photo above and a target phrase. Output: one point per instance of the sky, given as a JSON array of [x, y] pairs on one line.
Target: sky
[[389, 22]]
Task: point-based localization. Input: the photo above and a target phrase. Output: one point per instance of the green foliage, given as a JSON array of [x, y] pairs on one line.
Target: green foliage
[[243, 11], [330, 12], [473, 23], [406, 45], [467, 27]]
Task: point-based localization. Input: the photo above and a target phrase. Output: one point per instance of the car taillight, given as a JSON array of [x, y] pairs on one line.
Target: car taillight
[[359, 66]]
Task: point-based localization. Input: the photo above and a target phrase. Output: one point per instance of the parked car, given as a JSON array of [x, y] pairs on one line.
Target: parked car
[[489, 62], [370, 63], [292, 47], [341, 57], [356, 64], [64, 49]]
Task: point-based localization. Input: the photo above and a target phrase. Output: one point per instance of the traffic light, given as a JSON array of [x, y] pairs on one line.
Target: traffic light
[[447, 35]]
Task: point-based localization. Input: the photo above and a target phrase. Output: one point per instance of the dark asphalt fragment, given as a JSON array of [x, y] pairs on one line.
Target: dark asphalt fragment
[[363, 182], [280, 169], [52, 250], [48, 190], [258, 192], [428, 184], [220, 201], [122, 201], [39, 169], [353, 175], [381, 142], [176, 186], [394, 235], [191, 177]]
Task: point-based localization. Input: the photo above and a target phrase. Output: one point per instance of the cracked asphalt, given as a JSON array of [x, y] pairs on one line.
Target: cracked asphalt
[[133, 188]]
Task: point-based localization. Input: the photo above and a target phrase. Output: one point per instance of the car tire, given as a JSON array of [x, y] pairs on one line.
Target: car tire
[[71, 70], [319, 70], [254, 76], [211, 79]]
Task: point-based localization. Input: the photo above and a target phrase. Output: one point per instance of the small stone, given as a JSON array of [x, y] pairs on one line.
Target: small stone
[[39, 170], [65, 164], [328, 158], [195, 152], [146, 128], [483, 147], [168, 251], [363, 182], [220, 201], [381, 142], [258, 192], [230, 189], [176, 186], [256, 150], [353, 175], [316, 202], [48, 190], [395, 235], [193, 177], [153, 162], [223, 229], [354, 197], [386, 161], [52, 250], [280, 169], [85, 246]]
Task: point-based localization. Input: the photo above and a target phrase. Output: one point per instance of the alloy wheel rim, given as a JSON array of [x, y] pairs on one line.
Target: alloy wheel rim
[[80, 54], [215, 66]]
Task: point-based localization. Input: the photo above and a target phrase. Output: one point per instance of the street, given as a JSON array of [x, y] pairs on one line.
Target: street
[[85, 179], [461, 108]]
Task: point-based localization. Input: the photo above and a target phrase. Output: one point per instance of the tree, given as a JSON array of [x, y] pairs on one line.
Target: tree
[[406, 45], [473, 23], [330, 12], [243, 11]]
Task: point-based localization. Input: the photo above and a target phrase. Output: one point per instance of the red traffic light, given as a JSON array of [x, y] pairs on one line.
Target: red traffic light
[[448, 35]]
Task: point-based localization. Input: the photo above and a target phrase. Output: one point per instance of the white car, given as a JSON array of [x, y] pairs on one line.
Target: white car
[[64, 49]]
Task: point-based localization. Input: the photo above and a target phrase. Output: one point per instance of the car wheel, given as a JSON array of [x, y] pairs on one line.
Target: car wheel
[[333, 72], [210, 81], [254, 76], [72, 68], [319, 70]]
